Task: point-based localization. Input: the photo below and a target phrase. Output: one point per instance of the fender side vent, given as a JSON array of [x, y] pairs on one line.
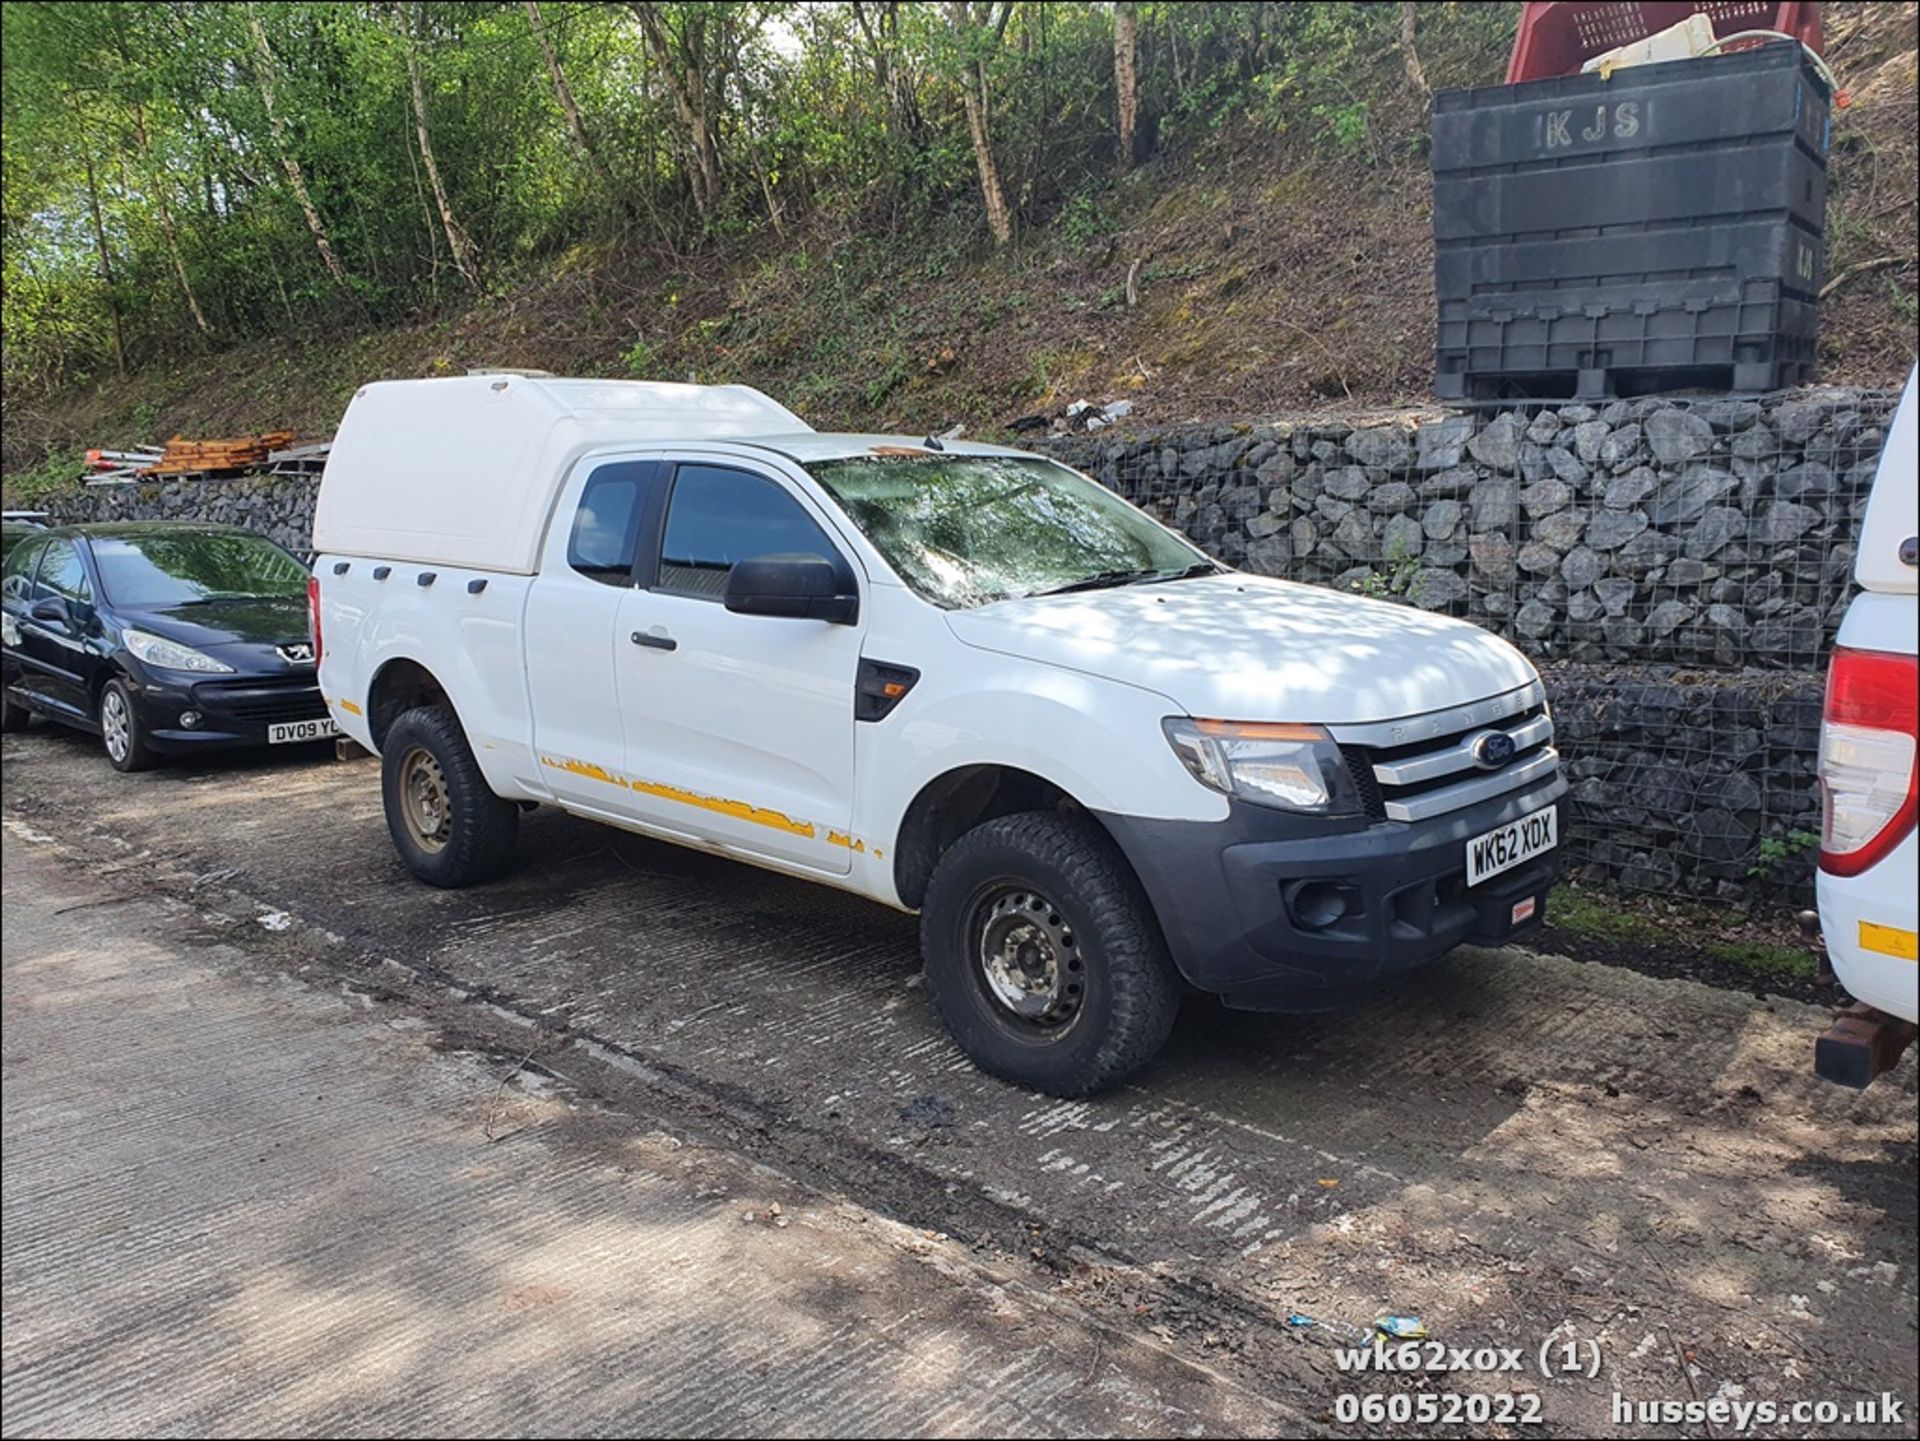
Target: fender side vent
[[880, 687]]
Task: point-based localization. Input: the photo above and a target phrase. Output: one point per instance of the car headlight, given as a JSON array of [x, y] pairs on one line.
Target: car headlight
[[1289, 767], [169, 654]]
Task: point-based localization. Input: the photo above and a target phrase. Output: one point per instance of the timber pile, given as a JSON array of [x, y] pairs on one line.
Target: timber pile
[[244, 452]]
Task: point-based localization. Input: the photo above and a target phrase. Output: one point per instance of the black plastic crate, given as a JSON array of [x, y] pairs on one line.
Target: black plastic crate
[[1661, 229]]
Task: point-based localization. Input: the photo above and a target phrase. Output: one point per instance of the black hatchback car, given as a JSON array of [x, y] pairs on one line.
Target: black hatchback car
[[159, 637]]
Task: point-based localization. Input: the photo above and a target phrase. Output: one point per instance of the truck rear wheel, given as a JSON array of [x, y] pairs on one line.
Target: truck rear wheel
[[446, 822], [1043, 955]]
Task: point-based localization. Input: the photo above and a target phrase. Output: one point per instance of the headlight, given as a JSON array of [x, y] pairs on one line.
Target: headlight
[[1290, 767], [169, 654]]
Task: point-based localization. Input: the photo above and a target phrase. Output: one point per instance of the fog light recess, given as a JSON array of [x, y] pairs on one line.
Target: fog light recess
[[189, 719], [1315, 905]]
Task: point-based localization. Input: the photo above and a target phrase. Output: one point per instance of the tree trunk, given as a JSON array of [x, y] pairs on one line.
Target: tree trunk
[[973, 88], [166, 221], [1126, 81], [464, 259], [563, 92], [106, 266], [1416, 77], [287, 162], [687, 78]]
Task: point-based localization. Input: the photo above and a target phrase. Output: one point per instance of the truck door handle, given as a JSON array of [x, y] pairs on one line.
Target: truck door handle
[[657, 642]]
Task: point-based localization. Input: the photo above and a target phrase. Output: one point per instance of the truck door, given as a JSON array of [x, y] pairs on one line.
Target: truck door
[[739, 728], [572, 624]]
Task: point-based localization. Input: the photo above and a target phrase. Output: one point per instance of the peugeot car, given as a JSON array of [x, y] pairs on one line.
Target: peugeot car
[[160, 638]]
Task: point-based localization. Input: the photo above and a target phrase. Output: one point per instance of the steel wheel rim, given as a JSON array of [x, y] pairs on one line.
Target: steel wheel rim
[[425, 804], [1026, 959], [116, 725]]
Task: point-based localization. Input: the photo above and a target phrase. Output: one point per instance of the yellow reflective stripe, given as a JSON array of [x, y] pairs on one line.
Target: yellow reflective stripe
[[719, 805], [1890, 941], [348, 706]]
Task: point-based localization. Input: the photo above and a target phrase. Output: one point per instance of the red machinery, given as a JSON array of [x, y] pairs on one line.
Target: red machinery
[[1559, 36]]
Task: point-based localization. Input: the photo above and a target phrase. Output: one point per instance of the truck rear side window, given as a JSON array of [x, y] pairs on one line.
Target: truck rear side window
[[719, 516], [607, 524]]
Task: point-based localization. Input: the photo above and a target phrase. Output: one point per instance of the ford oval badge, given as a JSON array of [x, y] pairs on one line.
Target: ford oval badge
[[1492, 750]]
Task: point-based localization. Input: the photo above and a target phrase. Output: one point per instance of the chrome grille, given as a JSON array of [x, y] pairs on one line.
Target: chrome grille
[[1428, 765]]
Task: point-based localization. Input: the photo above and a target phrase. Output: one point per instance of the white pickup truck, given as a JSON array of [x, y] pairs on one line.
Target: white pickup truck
[[953, 678]]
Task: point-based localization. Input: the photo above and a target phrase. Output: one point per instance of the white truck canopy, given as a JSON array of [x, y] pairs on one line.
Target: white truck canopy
[[462, 471]]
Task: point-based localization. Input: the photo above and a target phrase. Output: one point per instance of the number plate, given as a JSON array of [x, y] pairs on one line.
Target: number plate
[[1506, 847], [281, 732]]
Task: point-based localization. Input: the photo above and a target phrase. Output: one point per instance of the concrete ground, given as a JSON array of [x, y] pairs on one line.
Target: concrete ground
[[242, 1204], [1513, 1147]]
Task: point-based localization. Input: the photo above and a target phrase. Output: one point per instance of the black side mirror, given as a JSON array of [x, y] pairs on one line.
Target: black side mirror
[[51, 610], [805, 587]]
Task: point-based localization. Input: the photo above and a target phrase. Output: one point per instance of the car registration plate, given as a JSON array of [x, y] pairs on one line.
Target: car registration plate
[[1505, 847], [281, 732]]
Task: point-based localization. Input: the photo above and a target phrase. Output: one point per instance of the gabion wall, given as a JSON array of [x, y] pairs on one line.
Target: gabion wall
[[1676, 566]]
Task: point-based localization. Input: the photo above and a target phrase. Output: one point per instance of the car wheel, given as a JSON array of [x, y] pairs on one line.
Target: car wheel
[[120, 731], [1044, 957], [446, 822], [13, 715]]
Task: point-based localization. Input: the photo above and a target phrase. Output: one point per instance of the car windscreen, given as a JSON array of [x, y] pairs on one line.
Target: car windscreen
[[154, 571], [968, 530]]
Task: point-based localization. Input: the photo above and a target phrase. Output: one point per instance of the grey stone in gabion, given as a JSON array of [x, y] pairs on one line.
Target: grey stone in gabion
[[1575, 414], [1581, 568], [1442, 519], [1545, 496], [1495, 505], [1561, 530], [1729, 415], [1623, 447], [1784, 521], [1544, 427], [1611, 529], [1451, 483], [1624, 492], [1798, 420], [1584, 606], [1499, 444], [1395, 495], [1309, 483], [1687, 497], [1303, 533], [1534, 620], [1241, 501], [1735, 791], [1209, 523], [1277, 469], [1441, 553], [1354, 536], [1353, 578], [1623, 632], [1494, 603], [1687, 573], [1403, 537], [1567, 466], [1348, 482], [1381, 447], [1615, 593], [1264, 524], [1646, 551], [1330, 510], [1795, 632], [1269, 556], [1718, 527], [1432, 589], [1536, 558], [1492, 557], [1759, 443], [1324, 451], [1588, 437], [1533, 462], [1677, 436], [1668, 616], [1439, 444], [1804, 482], [1170, 463]]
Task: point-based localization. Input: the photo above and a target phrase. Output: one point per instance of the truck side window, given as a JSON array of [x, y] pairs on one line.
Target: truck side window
[[61, 574], [607, 523], [717, 516]]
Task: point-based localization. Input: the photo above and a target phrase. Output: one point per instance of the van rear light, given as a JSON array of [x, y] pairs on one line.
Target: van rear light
[[313, 616], [1867, 745]]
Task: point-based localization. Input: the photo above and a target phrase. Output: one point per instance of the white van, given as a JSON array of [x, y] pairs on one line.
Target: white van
[[956, 679], [1869, 860]]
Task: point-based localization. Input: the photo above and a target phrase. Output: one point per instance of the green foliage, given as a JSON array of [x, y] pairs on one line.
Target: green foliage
[[638, 359], [1774, 850], [1391, 581], [58, 474]]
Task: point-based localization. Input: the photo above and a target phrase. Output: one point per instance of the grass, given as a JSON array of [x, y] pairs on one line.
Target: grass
[[1613, 918]]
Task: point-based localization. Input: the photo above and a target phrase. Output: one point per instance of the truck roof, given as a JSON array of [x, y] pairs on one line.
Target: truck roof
[[463, 471]]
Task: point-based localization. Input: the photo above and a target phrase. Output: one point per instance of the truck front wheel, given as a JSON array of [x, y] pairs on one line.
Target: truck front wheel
[[1043, 955], [448, 825]]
